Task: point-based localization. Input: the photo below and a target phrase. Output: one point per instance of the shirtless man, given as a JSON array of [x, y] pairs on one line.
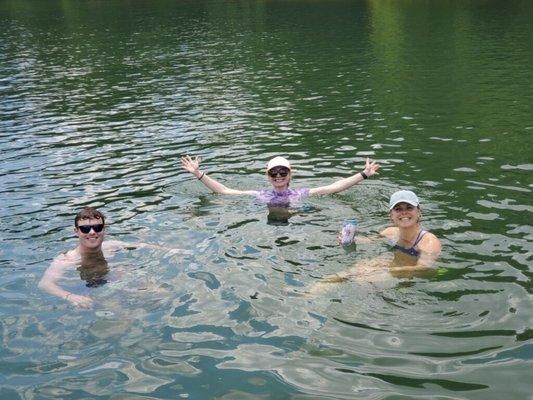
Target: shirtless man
[[89, 257]]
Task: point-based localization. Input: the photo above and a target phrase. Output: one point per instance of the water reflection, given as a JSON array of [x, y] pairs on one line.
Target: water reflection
[[94, 270], [279, 215], [98, 102]]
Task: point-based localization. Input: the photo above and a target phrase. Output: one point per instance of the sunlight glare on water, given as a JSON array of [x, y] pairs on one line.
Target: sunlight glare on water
[[98, 102]]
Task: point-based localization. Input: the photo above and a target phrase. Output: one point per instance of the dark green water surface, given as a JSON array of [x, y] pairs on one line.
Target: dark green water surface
[[99, 99]]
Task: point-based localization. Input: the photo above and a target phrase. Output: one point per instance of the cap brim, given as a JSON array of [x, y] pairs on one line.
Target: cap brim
[[413, 203], [284, 166]]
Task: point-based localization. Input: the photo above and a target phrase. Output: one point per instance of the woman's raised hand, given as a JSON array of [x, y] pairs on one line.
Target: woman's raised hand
[[191, 165], [371, 167]]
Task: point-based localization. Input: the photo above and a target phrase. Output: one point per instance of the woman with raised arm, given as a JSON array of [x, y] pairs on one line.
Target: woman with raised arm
[[279, 174]]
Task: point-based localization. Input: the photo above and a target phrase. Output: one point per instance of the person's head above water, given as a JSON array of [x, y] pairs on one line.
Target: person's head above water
[[88, 213], [403, 196], [404, 209], [279, 172], [89, 227], [406, 232]]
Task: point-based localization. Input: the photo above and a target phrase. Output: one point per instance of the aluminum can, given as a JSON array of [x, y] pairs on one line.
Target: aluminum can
[[349, 227]]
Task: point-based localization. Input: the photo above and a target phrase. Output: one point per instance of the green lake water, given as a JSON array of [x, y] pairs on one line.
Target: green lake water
[[99, 99]]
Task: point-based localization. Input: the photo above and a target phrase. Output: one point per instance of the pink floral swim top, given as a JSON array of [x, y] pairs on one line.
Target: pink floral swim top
[[286, 198]]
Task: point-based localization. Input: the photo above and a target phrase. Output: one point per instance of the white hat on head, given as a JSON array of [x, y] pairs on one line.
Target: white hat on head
[[278, 162], [403, 196]]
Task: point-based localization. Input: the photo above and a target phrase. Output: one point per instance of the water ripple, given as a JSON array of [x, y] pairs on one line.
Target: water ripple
[[99, 104]]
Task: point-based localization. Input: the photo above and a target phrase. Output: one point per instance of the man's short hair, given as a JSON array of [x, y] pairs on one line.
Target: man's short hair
[[88, 213]]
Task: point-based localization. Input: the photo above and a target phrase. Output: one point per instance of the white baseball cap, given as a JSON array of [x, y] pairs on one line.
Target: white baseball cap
[[403, 196], [278, 162]]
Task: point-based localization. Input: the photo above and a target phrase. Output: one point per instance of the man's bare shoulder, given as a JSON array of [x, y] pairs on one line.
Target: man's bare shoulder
[[61, 263], [70, 257], [111, 246]]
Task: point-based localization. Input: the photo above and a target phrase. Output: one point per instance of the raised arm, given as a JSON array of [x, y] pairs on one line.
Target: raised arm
[[48, 283], [371, 168], [192, 165]]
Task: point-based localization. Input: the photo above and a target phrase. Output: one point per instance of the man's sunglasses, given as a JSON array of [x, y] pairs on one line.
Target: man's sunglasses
[[278, 171], [87, 228]]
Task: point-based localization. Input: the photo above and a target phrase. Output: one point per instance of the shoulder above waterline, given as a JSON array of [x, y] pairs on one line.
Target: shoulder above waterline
[[430, 243], [70, 257]]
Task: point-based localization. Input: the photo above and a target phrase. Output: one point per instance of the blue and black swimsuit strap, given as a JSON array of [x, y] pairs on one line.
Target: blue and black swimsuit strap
[[419, 237]]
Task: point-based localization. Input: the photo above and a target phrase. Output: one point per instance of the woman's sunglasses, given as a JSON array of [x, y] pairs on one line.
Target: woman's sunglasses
[[87, 228], [278, 171]]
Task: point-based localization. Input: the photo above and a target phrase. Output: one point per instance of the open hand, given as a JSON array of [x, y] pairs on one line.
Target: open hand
[[371, 167], [191, 165]]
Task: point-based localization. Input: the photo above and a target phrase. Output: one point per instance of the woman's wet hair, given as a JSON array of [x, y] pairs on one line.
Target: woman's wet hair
[[89, 213]]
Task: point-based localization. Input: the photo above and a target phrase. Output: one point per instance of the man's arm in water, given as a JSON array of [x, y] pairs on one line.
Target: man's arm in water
[[115, 245], [53, 273]]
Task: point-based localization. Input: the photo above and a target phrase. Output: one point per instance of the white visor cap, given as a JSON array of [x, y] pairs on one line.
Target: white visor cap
[[278, 162], [403, 196]]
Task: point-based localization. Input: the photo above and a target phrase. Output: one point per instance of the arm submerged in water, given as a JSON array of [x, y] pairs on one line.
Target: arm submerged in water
[[53, 274], [382, 266]]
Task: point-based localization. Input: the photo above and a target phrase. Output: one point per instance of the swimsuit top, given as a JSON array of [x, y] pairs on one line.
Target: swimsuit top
[[411, 250], [286, 198]]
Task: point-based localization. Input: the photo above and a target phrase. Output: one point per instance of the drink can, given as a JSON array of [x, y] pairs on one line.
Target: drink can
[[349, 227]]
